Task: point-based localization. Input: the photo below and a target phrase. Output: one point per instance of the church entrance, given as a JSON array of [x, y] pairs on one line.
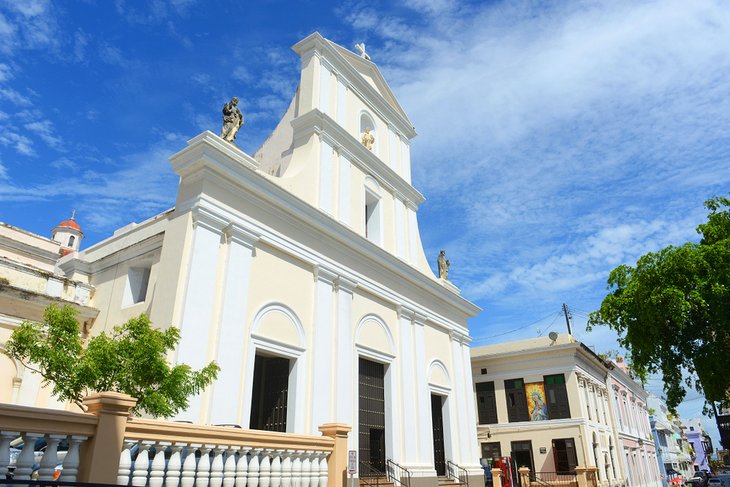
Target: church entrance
[[270, 393], [371, 441], [437, 421]]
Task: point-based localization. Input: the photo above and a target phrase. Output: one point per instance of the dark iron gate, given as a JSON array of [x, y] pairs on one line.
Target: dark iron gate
[[437, 420], [270, 393], [371, 385]]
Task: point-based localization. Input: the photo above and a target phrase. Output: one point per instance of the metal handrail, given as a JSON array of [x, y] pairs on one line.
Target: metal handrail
[[457, 473], [370, 475], [398, 473]]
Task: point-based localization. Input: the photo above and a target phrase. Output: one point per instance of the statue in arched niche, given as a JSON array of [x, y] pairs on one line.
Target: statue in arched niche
[[368, 139]]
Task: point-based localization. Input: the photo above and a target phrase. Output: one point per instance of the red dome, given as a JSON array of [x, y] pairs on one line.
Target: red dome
[[69, 224]]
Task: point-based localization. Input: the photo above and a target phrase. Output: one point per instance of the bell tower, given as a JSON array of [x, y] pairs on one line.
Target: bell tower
[[68, 233]]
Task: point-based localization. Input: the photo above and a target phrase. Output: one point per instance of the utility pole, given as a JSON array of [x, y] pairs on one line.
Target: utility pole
[[568, 321]]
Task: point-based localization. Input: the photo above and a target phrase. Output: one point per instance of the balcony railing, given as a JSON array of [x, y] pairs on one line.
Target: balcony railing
[[106, 446]]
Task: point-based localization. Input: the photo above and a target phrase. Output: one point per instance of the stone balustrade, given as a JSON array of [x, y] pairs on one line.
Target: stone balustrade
[[163, 453]]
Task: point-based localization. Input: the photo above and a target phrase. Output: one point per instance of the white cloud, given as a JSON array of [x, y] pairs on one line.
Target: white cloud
[[14, 97], [20, 143], [44, 129], [143, 186]]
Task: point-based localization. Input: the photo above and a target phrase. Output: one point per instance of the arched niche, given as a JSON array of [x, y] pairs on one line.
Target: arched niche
[[438, 376], [277, 323], [373, 334]]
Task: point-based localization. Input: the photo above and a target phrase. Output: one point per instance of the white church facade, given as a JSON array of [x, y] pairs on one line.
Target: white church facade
[[300, 270]]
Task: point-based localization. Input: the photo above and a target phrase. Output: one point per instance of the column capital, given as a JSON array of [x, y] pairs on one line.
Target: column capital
[[206, 218], [323, 274], [344, 284], [241, 235]]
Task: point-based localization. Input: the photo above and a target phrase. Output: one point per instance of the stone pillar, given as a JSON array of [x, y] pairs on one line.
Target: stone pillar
[[100, 454], [524, 474], [496, 477], [337, 463], [582, 476]]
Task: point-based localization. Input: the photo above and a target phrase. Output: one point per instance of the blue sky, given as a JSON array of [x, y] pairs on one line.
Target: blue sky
[[556, 139]]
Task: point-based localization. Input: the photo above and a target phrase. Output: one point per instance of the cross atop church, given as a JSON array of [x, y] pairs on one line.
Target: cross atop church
[[361, 49]]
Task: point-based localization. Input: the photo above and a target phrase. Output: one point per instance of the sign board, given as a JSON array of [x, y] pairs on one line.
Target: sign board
[[352, 462]]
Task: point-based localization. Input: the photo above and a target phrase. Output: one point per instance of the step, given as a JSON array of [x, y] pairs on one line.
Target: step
[[447, 482]]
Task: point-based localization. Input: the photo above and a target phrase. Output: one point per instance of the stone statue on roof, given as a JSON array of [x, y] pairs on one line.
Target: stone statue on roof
[[232, 120], [443, 264]]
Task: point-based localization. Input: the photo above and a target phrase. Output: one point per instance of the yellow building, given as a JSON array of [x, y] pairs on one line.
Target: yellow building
[[544, 403]]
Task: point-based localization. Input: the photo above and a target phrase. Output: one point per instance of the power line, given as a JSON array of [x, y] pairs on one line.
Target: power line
[[519, 328]]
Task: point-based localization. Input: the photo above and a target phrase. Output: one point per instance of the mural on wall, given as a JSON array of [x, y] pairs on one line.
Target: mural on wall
[[536, 405]]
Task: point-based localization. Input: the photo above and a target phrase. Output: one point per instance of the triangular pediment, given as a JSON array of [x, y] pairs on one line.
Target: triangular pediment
[[371, 74]]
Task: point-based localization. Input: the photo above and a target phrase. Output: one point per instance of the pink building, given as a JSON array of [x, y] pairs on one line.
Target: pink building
[[632, 429]]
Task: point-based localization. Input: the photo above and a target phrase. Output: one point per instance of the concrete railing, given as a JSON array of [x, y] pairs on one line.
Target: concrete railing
[[105, 445]]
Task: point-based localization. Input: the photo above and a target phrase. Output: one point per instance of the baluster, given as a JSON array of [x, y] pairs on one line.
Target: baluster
[[173, 466], [141, 465], [125, 463], [188, 469], [286, 466], [314, 470], [306, 469], [265, 469], [216, 469], [24, 463], [157, 470], [276, 469], [71, 462], [5, 438], [253, 469], [50, 457], [323, 470], [229, 468], [202, 476], [296, 469], [242, 467]]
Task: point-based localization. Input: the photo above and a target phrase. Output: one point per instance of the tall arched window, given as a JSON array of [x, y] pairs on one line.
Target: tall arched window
[[71, 240]]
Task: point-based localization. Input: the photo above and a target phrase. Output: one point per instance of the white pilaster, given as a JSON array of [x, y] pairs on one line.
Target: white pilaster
[[405, 160], [400, 224], [345, 192], [470, 441], [324, 88], [197, 314], [322, 357], [412, 235], [341, 102], [425, 427], [345, 388], [227, 391], [326, 171], [393, 146], [408, 385]]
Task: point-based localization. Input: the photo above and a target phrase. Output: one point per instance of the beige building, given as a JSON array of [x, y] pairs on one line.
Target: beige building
[[300, 270], [544, 403], [30, 280]]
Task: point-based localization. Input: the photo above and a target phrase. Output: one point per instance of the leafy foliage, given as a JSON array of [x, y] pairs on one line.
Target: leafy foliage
[[132, 360], [672, 311]]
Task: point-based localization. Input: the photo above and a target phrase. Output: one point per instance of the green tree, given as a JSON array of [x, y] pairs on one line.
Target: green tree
[[131, 359], [672, 311]]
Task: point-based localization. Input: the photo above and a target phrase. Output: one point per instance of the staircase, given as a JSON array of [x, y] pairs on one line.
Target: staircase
[[445, 481]]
